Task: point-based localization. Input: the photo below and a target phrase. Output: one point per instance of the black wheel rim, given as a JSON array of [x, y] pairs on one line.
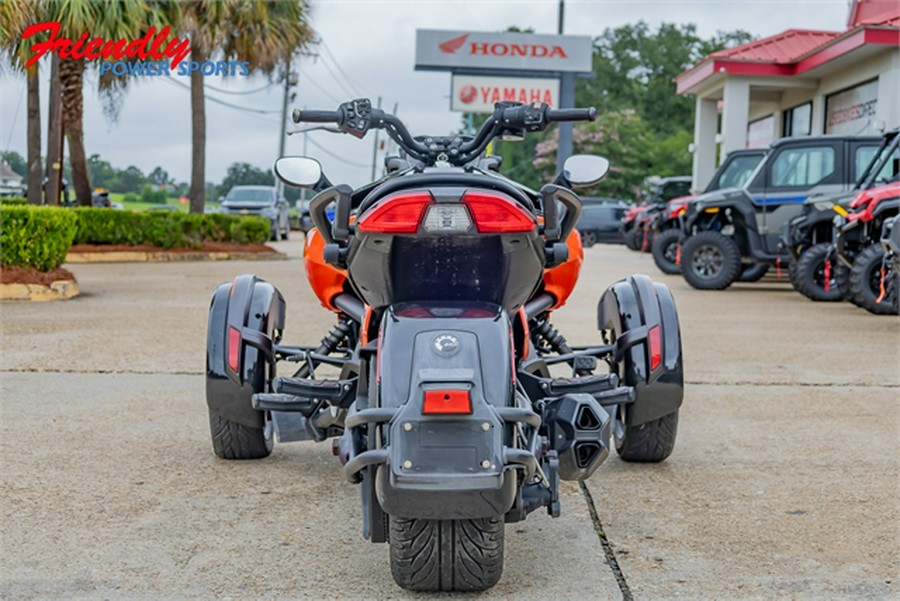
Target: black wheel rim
[[707, 261], [819, 276], [670, 252]]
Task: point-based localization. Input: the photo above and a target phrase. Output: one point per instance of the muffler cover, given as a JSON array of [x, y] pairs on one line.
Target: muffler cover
[[578, 428]]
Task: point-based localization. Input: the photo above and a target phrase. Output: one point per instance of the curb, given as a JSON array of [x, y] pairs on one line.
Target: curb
[[58, 290], [128, 256]]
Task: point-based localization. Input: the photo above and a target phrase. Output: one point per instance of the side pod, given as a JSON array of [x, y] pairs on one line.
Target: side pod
[[642, 321], [249, 313]]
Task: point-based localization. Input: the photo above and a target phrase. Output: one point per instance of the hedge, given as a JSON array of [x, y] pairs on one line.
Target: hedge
[[167, 229], [14, 201], [36, 237]]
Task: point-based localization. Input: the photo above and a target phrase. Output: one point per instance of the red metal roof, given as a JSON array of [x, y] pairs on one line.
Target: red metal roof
[[874, 12], [783, 48]]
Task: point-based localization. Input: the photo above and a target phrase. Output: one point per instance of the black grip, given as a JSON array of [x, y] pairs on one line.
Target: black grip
[[317, 116], [588, 114]]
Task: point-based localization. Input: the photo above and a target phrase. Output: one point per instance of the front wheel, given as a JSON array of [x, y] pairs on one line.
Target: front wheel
[[666, 248], [710, 261], [650, 442], [634, 238], [446, 555], [866, 282], [815, 274], [588, 238]]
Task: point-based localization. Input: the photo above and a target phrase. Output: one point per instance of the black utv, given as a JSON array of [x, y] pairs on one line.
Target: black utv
[[730, 229], [809, 238]]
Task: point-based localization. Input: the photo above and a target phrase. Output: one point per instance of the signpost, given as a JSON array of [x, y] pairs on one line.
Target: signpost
[[493, 67]]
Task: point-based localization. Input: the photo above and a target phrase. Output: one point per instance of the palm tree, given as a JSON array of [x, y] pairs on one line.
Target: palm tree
[[15, 16], [262, 33], [108, 19]]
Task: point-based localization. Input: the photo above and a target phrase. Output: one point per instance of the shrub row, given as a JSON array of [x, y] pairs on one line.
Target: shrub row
[[13, 201], [36, 237], [165, 229]]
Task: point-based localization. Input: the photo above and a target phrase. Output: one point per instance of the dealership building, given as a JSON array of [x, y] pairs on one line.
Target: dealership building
[[797, 83]]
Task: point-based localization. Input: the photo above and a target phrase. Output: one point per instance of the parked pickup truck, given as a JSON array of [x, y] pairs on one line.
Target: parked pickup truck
[[732, 228]]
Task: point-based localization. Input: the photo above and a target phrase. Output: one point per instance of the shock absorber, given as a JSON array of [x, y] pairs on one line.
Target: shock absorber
[[328, 345], [544, 335]]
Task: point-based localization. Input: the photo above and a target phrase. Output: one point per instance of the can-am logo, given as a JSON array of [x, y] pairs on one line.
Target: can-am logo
[[151, 54], [502, 49]]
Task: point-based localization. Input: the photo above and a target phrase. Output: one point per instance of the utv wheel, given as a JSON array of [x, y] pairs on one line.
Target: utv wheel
[[588, 238], [650, 442], [232, 440], [446, 555], [810, 274], [753, 272], [665, 251], [710, 261], [633, 239], [865, 282], [842, 279]]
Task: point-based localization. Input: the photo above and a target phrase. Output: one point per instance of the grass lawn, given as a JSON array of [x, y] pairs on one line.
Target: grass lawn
[[144, 206]]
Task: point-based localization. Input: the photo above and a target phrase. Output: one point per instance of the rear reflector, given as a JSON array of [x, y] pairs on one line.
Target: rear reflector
[[654, 341], [397, 214], [234, 348], [447, 402], [447, 218], [497, 213]]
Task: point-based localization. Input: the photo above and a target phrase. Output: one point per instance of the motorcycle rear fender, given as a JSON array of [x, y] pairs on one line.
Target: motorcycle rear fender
[[256, 309], [630, 308], [441, 466]]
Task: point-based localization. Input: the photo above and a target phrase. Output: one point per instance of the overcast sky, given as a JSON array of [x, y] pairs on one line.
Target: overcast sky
[[369, 48]]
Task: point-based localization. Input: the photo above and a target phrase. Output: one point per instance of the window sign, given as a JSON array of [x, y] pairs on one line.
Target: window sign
[[852, 111], [761, 133]]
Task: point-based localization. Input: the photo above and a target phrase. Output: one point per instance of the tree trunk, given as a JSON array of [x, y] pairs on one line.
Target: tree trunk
[[54, 136], [35, 195], [198, 136], [71, 77]]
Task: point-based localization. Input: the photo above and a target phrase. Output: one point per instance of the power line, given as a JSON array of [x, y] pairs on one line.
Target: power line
[[239, 93], [319, 87], [348, 89], [353, 84], [335, 156], [223, 103]]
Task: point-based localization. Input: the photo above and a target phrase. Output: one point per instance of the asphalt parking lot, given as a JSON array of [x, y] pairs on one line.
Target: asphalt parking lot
[[783, 483]]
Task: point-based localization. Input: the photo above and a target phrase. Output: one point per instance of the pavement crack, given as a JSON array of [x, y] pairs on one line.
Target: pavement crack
[[103, 372], [797, 384], [611, 560]]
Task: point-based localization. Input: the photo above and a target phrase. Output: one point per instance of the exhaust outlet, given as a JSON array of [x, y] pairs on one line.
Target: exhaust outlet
[[579, 430]]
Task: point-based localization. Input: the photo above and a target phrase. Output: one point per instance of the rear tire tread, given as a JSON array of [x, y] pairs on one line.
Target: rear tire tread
[[232, 440], [650, 442]]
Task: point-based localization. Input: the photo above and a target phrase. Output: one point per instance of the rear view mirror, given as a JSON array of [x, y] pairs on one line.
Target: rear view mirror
[[584, 170], [300, 172]]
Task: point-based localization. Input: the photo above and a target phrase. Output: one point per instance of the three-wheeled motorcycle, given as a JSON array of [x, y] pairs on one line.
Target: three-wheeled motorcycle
[[457, 406]]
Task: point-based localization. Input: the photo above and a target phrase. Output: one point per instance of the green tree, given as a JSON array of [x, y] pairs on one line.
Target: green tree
[[263, 33], [245, 174], [103, 175], [130, 179], [159, 177], [15, 161]]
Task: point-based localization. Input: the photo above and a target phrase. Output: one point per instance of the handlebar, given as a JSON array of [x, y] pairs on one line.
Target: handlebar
[[356, 117]]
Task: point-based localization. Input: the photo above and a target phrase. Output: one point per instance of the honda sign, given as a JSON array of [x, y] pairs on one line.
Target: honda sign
[[476, 94], [449, 50]]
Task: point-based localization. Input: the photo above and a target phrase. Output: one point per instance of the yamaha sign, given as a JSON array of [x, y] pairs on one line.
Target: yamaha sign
[[473, 50]]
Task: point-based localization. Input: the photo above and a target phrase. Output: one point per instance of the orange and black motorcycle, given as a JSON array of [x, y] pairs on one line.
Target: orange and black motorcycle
[[455, 404]]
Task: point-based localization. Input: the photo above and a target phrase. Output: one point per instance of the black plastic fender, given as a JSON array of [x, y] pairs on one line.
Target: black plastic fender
[[630, 309], [255, 308]]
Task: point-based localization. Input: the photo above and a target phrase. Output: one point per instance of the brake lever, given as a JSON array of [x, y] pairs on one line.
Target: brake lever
[[303, 130]]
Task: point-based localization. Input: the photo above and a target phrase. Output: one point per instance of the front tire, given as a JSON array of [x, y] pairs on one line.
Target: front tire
[[588, 238], [710, 261], [633, 238], [753, 272], [665, 251], [232, 440], [865, 282], [446, 555], [650, 442], [810, 274]]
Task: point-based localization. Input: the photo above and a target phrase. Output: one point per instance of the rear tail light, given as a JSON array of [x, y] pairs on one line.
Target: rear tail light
[[497, 214], [234, 348], [447, 402], [447, 218], [654, 341], [398, 214]]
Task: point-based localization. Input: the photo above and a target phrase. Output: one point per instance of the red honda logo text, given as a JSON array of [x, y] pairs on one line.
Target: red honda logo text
[[501, 49]]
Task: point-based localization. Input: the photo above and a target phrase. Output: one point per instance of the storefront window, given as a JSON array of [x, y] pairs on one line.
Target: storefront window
[[761, 133], [853, 110], [798, 121]]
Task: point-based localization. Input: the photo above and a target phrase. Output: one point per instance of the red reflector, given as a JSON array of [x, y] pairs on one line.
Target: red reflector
[[654, 340], [446, 402], [398, 214], [497, 213], [234, 348]]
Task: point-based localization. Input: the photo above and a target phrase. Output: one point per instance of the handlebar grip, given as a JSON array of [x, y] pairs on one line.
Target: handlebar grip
[[588, 114], [317, 116]]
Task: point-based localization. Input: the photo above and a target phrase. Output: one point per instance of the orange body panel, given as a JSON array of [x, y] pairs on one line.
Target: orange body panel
[[560, 281], [327, 281]]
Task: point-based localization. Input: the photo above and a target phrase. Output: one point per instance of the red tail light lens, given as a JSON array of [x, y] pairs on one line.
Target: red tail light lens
[[397, 214], [447, 402], [497, 213], [234, 348], [654, 341]]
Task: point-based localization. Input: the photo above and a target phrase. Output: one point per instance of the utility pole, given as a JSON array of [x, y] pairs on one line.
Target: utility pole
[[54, 137], [375, 148], [566, 100], [290, 79]]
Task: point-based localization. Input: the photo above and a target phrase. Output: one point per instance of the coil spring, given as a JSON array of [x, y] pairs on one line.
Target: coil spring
[[544, 335], [337, 335]]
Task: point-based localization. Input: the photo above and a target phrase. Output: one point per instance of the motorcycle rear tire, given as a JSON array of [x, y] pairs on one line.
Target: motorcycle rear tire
[[446, 555], [649, 442]]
